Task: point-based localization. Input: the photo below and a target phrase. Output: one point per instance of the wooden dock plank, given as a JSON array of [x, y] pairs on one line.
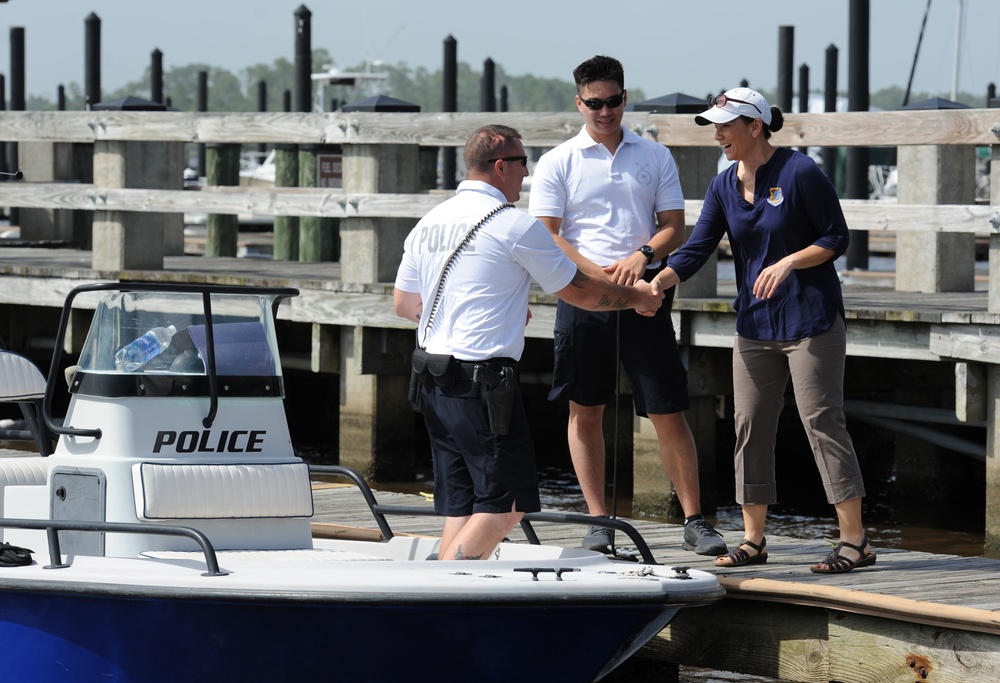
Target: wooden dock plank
[[828, 129]]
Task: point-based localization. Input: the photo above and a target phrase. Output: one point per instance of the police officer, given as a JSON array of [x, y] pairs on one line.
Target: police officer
[[464, 280]]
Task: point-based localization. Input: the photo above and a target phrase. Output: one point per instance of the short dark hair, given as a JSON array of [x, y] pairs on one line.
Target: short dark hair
[[488, 142], [599, 68]]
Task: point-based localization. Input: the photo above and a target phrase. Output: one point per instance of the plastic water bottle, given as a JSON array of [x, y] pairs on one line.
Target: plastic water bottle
[[133, 356]]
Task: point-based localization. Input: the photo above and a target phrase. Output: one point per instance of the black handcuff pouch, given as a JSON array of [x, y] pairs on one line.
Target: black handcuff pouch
[[429, 370]]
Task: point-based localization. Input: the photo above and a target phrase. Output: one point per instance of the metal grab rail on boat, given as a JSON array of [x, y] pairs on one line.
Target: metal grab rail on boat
[[572, 518], [366, 491], [379, 511], [52, 527]]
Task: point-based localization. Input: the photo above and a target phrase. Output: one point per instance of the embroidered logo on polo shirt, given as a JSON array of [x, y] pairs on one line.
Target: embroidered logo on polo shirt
[[775, 197], [642, 175]]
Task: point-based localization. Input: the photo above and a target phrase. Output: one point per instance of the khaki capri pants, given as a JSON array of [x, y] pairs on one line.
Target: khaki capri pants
[[760, 372]]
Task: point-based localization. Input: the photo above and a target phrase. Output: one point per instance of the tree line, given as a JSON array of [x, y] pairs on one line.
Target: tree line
[[238, 92], [229, 92]]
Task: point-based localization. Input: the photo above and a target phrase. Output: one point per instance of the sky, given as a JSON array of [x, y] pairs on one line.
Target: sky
[[666, 46]]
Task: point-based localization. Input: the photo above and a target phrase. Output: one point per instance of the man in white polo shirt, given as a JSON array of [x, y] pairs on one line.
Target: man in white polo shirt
[[612, 200], [464, 279]]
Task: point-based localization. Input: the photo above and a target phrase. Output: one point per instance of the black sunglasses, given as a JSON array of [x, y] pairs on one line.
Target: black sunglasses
[[596, 103], [522, 159], [720, 101]]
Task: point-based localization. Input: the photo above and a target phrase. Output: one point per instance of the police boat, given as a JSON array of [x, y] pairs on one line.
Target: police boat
[[162, 531]]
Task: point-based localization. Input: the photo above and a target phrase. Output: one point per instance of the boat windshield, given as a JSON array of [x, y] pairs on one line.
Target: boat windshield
[[164, 333]]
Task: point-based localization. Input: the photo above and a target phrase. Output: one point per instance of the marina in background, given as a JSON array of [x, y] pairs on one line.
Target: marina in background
[[928, 339]]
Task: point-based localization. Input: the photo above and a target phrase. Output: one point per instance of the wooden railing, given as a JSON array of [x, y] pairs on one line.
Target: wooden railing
[[365, 135]]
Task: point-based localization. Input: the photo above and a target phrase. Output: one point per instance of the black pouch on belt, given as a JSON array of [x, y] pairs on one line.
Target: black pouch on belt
[[413, 393], [430, 369]]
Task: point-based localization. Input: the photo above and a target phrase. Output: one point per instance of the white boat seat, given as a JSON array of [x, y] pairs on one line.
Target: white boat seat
[[20, 471], [221, 491], [20, 379]]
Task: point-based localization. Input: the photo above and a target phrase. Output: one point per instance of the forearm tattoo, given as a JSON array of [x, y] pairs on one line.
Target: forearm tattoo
[[614, 304], [580, 279], [607, 301]]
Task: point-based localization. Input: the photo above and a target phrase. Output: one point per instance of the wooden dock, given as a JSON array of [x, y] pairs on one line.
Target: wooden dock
[[922, 361], [112, 182], [950, 335], [911, 617]]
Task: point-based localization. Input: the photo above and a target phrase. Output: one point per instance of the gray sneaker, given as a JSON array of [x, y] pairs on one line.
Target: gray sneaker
[[598, 538], [702, 538]]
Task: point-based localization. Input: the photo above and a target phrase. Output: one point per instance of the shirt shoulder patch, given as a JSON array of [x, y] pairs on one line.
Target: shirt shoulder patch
[[774, 197]]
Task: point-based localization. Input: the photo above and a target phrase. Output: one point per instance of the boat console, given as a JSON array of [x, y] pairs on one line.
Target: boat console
[[194, 434]]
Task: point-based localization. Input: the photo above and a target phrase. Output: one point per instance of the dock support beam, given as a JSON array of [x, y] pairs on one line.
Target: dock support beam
[[936, 261], [374, 409], [371, 247], [696, 167], [653, 493], [46, 162], [709, 377], [992, 539], [377, 424], [993, 300], [126, 240]]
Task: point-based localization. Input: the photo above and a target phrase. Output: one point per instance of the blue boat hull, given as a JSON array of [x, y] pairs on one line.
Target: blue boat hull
[[80, 638]]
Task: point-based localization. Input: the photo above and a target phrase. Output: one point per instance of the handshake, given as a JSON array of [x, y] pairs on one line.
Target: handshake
[[650, 298], [663, 281]]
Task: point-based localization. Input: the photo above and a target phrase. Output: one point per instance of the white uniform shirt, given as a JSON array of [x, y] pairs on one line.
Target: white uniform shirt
[[607, 203], [484, 302]]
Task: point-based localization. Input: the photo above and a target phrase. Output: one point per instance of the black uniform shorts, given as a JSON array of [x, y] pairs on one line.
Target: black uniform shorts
[[585, 358], [474, 469]]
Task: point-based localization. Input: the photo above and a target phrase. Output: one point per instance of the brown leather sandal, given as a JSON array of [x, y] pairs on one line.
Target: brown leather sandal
[[740, 557], [835, 563]]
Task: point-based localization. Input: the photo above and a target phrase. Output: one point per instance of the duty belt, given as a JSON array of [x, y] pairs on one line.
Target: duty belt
[[480, 372]]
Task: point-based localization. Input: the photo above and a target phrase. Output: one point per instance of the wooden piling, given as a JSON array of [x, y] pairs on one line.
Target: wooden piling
[[92, 59], [286, 228], [222, 168], [315, 232]]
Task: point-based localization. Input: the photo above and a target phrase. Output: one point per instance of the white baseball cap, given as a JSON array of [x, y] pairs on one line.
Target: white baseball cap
[[733, 104]]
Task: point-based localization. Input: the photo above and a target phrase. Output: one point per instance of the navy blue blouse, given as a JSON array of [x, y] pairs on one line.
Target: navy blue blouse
[[795, 205]]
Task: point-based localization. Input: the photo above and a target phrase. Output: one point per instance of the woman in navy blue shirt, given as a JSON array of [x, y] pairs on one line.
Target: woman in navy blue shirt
[[786, 229]]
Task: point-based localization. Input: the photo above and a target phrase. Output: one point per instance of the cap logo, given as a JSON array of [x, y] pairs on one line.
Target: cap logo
[[775, 197]]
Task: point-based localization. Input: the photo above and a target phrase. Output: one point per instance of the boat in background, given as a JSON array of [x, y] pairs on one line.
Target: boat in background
[[170, 518], [256, 171], [347, 86]]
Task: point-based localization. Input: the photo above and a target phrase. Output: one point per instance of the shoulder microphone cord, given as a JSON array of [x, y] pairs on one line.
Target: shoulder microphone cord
[[451, 262]]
